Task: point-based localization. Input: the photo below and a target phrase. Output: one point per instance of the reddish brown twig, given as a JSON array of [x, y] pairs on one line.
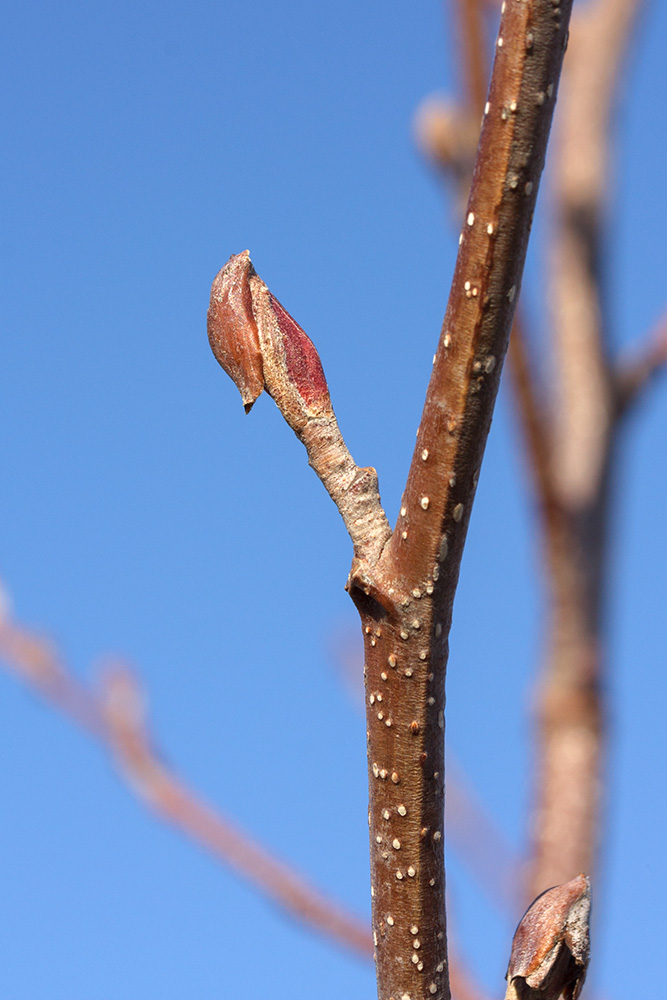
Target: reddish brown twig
[[405, 637], [116, 718], [570, 443], [472, 833], [404, 589]]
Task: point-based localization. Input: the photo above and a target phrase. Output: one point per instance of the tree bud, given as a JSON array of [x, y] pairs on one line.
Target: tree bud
[[550, 950], [260, 346]]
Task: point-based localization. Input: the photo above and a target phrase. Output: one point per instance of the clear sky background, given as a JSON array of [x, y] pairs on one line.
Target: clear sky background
[[143, 514]]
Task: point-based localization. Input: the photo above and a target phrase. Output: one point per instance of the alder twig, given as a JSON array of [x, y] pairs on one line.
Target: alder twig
[[472, 833], [444, 139], [116, 717], [404, 588], [406, 648], [405, 595], [261, 346]]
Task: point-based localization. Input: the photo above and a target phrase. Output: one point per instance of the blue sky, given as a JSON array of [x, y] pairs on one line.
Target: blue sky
[[143, 514]]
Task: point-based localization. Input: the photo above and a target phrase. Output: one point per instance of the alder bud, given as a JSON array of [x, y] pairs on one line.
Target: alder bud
[[232, 330], [551, 949], [261, 346]]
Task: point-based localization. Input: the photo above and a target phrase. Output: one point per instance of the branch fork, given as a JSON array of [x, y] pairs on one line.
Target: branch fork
[[403, 582]]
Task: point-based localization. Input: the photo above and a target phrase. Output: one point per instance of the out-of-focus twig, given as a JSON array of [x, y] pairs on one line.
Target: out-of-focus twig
[[566, 821], [474, 59], [634, 374], [117, 718], [570, 437]]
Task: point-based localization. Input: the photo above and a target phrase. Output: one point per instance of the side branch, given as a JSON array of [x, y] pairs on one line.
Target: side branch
[[116, 717], [261, 346], [634, 374]]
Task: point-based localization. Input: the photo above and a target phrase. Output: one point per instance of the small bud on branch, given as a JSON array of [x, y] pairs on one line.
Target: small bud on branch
[[261, 347], [550, 950]]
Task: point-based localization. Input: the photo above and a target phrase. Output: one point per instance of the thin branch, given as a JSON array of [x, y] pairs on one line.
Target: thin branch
[[117, 719], [566, 822], [535, 427], [600, 36], [261, 346], [634, 374], [486, 283]]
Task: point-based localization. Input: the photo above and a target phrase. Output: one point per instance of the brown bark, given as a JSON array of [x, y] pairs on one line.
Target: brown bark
[[407, 616]]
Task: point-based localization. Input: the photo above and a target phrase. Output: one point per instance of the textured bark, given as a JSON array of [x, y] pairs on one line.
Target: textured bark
[[405, 599]]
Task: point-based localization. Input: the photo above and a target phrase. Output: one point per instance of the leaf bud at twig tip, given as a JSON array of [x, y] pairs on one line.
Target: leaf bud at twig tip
[[261, 346], [551, 947]]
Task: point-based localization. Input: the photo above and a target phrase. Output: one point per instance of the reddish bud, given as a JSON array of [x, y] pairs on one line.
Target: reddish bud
[[260, 346], [302, 361], [550, 950], [232, 330]]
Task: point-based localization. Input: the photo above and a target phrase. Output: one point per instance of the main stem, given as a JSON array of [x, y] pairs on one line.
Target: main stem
[[405, 596]]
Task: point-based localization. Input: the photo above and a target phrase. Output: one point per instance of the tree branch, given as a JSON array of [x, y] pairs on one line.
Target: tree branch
[[404, 587], [566, 818], [405, 639], [117, 719], [634, 374], [261, 346]]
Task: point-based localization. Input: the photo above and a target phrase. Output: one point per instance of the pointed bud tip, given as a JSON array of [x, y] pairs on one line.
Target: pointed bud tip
[[232, 329], [261, 346]]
